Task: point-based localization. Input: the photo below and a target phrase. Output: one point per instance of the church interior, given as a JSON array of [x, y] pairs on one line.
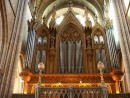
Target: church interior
[[64, 48]]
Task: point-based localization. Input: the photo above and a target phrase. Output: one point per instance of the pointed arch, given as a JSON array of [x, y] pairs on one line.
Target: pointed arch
[[71, 40], [41, 47], [43, 31], [70, 18], [96, 40], [101, 39], [99, 31]]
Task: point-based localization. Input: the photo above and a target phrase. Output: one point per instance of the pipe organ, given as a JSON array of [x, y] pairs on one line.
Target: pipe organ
[[70, 53]]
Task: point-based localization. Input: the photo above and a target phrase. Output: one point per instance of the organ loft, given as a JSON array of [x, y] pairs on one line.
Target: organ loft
[[70, 53], [64, 48]]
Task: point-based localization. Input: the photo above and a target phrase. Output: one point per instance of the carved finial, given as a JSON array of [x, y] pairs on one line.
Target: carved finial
[[109, 23], [70, 4]]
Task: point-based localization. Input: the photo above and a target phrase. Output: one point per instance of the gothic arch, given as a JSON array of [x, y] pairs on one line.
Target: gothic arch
[[70, 18], [41, 31], [98, 28], [44, 31], [70, 23], [99, 31]]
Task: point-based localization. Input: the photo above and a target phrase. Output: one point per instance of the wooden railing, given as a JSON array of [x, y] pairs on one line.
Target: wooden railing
[[122, 95], [71, 92], [23, 96]]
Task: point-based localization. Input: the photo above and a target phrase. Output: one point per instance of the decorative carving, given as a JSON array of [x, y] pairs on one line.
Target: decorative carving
[[52, 42], [89, 41], [70, 34], [69, 30]]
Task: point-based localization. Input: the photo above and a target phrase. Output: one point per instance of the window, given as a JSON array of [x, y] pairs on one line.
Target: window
[[39, 40], [101, 39], [45, 40], [96, 40]]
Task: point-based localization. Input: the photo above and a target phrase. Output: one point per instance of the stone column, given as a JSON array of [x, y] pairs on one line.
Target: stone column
[[12, 52], [124, 37]]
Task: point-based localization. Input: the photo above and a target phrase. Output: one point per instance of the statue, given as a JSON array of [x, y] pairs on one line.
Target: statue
[[88, 41], [52, 42]]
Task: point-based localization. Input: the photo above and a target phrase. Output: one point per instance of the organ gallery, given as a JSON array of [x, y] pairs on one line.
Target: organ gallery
[[70, 54], [64, 49]]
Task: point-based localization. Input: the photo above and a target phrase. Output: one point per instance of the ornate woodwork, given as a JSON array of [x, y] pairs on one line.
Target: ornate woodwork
[[88, 45], [72, 92]]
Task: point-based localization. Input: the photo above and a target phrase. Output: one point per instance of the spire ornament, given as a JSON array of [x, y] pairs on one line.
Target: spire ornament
[[70, 5]]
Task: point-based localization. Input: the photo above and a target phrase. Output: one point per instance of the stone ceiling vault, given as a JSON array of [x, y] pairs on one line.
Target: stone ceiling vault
[[48, 6]]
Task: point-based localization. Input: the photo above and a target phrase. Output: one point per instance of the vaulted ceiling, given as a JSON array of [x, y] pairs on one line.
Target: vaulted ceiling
[[46, 7]]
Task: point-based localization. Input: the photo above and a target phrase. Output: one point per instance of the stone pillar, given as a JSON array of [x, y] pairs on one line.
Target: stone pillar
[[12, 52], [124, 37]]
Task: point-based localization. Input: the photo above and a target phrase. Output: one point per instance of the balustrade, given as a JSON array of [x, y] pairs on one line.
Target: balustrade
[[71, 92]]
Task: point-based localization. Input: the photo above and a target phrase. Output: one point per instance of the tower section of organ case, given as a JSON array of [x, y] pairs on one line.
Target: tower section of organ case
[[41, 49], [100, 48]]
